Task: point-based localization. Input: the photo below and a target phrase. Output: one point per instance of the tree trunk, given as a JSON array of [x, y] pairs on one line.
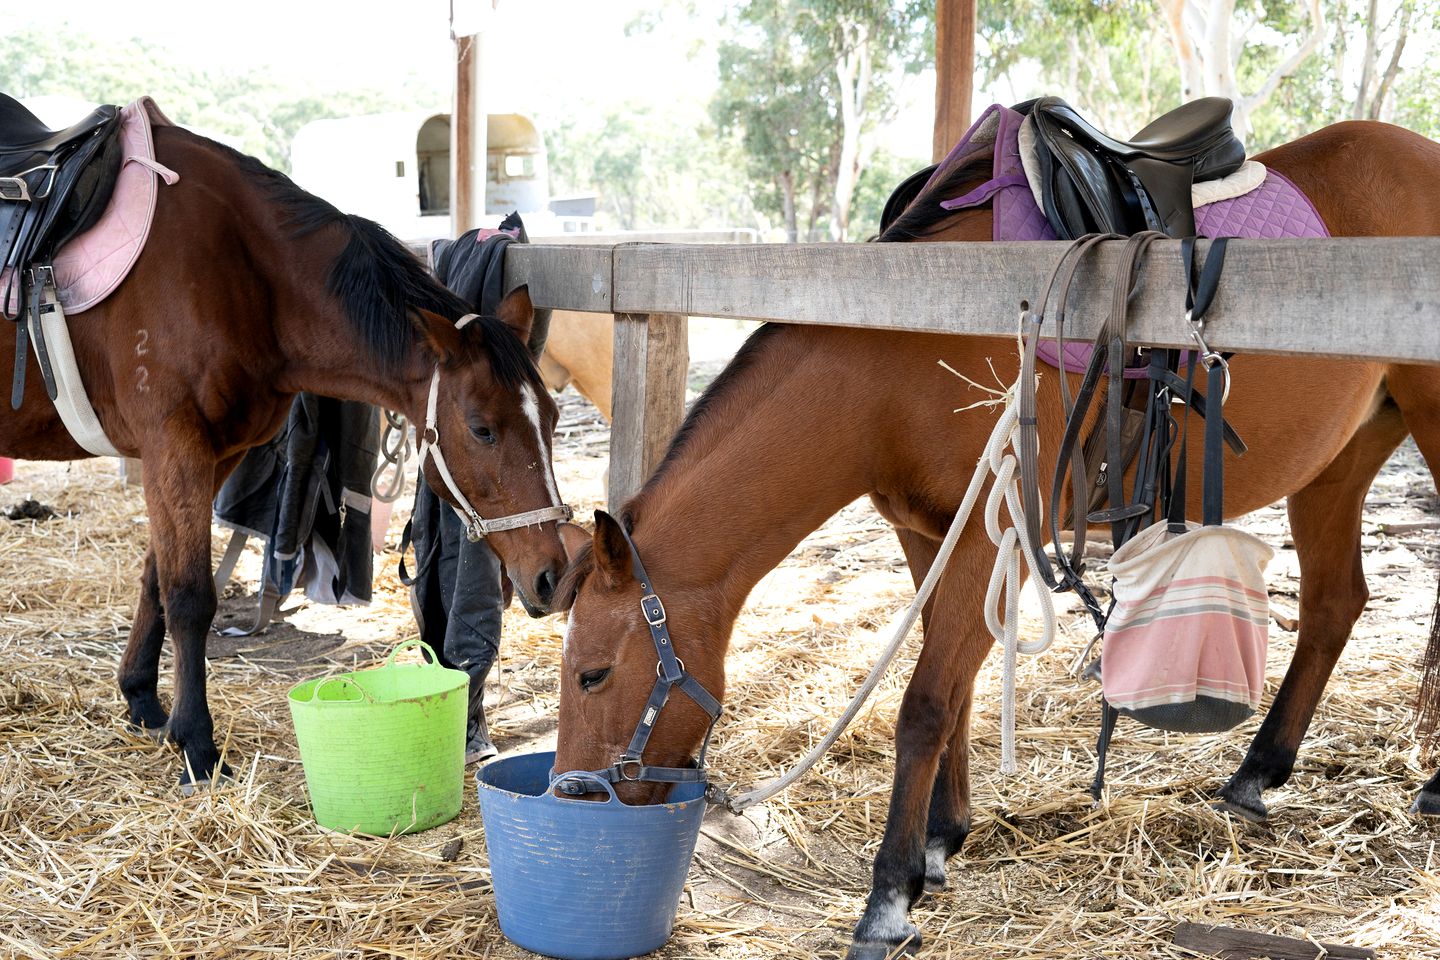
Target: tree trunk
[[1387, 80], [1367, 65], [851, 68], [787, 193], [1192, 80]]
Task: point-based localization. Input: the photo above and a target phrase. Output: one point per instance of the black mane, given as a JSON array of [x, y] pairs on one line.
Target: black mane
[[923, 215], [744, 358], [379, 282]]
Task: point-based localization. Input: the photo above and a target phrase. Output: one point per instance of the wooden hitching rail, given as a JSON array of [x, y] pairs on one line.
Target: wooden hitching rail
[[1346, 297]]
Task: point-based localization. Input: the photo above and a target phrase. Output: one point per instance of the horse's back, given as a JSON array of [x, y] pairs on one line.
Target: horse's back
[[1366, 178]]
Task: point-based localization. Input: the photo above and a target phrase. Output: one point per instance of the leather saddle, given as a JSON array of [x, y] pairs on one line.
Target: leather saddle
[[1091, 182], [54, 184]]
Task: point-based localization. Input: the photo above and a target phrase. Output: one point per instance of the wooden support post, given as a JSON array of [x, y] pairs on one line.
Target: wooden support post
[[652, 361], [954, 72], [468, 122]]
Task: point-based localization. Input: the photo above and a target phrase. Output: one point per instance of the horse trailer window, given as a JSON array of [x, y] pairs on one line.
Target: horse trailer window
[[519, 166]]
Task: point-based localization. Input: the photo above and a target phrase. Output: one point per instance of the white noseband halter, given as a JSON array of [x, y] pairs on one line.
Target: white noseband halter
[[476, 526]]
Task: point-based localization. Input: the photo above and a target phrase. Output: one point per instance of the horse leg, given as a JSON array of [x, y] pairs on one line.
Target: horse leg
[[178, 494], [948, 822], [1417, 391], [955, 646], [1325, 525], [140, 665]]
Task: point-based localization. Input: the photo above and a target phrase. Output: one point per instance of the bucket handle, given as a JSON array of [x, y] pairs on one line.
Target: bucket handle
[[342, 678], [580, 781], [413, 642]]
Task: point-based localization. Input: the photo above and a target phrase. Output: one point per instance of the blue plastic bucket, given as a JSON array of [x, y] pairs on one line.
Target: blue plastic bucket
[[582, 879]]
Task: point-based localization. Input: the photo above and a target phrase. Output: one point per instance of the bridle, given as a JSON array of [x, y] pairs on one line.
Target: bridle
[[670, 673], [476, 526]]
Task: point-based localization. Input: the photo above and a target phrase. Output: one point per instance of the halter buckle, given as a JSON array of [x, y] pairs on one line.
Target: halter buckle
[[658, 609], [625, 762]]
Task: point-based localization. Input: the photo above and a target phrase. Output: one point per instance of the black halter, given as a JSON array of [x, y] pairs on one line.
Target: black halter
[[670, 673]]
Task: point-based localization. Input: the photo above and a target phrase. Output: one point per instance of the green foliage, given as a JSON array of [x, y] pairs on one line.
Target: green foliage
[[251, 109], [885, 172], [779, 93], [653, 166]]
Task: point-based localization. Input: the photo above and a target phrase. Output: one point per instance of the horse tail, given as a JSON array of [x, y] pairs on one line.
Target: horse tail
[[1427, 707]]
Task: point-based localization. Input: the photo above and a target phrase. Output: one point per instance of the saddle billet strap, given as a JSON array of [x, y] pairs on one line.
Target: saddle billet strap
[[37, 330]]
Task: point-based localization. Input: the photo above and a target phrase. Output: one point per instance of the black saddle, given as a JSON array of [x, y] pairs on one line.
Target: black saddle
[[1091, 182], [54, 184]]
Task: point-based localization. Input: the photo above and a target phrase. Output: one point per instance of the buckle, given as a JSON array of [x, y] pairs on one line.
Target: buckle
[[13, 188], [623, 763], [659, 608]]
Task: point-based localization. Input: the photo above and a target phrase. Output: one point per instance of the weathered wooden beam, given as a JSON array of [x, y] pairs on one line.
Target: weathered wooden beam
[[954, 71], [560, 276], [652, 359], [1231, 944], [1375, 297]]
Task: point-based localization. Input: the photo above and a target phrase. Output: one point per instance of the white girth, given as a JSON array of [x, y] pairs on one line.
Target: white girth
[[71, 401], [476, 526]]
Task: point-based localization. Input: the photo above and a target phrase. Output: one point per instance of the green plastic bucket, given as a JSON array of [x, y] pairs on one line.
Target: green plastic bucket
[[384, 749]]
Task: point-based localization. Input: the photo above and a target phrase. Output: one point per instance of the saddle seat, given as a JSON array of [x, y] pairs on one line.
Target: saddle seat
[[1092, 182], [25, 141], [54, 184]]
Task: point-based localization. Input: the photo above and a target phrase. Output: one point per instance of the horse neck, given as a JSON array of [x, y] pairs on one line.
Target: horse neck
[[761, 465], [321, 350]]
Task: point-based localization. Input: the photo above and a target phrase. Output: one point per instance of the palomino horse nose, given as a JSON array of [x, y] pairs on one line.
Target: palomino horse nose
[[545, 585]]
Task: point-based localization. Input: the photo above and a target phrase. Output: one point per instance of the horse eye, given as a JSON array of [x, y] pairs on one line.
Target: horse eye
[[591, 679], [482, 433]]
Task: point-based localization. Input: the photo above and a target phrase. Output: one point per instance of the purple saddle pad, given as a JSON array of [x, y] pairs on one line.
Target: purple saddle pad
[[1277, 208]]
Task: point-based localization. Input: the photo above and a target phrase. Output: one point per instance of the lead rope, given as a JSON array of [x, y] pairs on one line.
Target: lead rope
[[1005, 576], [394, 451]]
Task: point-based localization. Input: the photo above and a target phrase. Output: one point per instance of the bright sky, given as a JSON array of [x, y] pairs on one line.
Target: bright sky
[[541, 53]]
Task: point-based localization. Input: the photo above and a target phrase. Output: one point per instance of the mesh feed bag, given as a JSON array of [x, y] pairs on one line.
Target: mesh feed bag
[[1185, 644]]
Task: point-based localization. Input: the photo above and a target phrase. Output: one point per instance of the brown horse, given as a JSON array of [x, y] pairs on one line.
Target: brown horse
[[807, 418], [249, 291]]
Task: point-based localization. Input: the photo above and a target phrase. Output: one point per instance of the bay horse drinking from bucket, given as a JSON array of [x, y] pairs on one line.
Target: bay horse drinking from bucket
[[250, 290], [807, 418]]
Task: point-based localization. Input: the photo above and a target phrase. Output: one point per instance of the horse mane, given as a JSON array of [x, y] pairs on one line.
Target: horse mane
[[379, 282], [923, 216], [583, 563], [918, 220]]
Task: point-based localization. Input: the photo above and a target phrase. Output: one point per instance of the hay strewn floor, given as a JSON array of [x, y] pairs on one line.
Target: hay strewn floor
[[101, 857]]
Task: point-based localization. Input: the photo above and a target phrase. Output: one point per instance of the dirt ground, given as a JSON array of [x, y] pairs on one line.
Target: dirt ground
[[100, 856]]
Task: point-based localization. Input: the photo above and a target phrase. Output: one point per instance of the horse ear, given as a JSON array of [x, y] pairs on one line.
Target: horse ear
[[612, 553], [441, 335], [517, 312], [572, 538]]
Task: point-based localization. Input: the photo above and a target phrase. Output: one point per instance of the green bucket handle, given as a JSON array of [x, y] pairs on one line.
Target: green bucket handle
[[414, 642], [364, 696]]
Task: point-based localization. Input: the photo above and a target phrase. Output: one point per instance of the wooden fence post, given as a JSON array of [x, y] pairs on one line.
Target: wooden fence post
[[652, 361]]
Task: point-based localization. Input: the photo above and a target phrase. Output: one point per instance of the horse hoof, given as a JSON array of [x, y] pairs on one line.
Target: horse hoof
[[875, 950], [1257, 813], [224, 778], [157, 734], [1427, 804], [934, 884]]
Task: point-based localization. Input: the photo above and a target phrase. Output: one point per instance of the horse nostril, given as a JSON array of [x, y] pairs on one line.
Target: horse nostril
[[545, 585]]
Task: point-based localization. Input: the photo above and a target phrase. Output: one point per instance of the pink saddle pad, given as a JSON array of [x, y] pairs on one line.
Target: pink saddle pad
[[93, 264]]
